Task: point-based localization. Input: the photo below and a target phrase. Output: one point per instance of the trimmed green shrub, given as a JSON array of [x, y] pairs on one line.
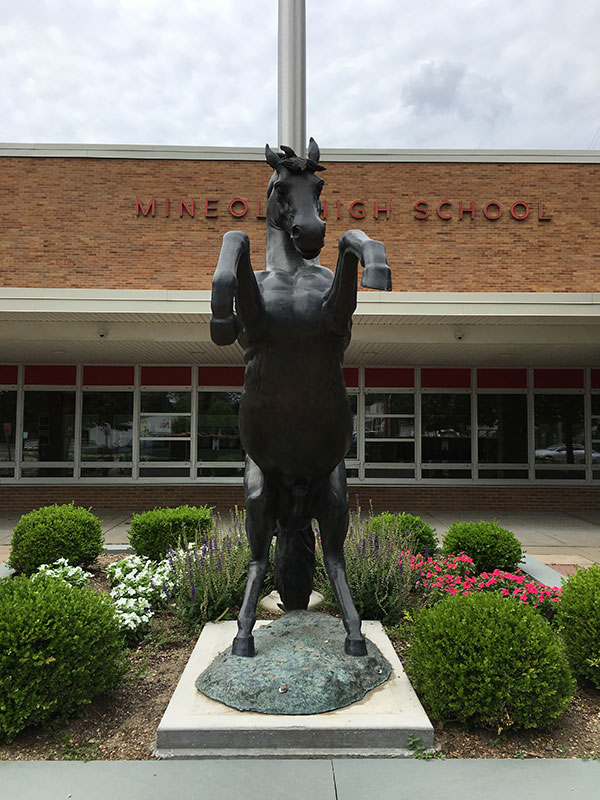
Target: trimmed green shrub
[[578, 618], [410, 532], [46, 534], [154, 532], [490, 546], [489, 660], [60, 646]]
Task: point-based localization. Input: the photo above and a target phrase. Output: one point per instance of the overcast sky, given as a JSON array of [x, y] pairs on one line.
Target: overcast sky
[[380, 73]]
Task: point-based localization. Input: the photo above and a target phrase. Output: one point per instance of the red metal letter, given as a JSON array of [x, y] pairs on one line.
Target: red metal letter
[[470, 210], [189, 210], [421, 208], [385, 209], [541, 216], [139, 206], [514, 206], [361, 210], [338, 209], [258, 214], [439, 210], [324, 209], [233, 202], [210, 209], [492, 203]]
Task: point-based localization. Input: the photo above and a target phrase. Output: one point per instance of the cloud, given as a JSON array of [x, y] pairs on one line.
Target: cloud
[[384, 74]]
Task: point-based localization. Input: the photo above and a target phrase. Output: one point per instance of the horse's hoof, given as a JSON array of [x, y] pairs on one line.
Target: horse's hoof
[[355, 647], [243, 646]]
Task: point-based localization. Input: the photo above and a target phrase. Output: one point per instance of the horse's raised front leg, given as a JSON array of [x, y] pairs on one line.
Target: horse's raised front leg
[[340, 301], [260, 526], [234, 278], [332, 515]]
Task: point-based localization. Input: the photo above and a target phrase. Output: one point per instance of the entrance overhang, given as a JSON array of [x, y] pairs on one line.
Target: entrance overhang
[[390, 328]]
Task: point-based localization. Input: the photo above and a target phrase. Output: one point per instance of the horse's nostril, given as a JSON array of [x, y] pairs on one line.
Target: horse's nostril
[[296, 231]]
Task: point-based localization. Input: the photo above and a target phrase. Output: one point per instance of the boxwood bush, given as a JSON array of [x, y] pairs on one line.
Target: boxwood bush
[[60, 646], [578, 618], [154, 532], [490, 546], [46, 534], [489, 660], [419, 536]]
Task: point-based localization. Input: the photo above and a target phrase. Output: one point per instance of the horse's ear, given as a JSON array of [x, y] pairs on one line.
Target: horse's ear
[[313, 151], [272, 157]]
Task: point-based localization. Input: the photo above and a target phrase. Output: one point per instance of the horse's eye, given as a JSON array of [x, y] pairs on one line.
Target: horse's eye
[[280, 190]]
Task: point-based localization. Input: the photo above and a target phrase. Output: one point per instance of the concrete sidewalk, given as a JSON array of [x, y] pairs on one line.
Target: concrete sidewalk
[[560, 539], [337, 779]]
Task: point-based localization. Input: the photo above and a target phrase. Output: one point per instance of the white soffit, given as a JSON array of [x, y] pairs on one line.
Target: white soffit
[[373, 308]]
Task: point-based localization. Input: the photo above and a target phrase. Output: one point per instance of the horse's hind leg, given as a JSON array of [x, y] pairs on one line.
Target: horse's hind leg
[[332, 515], [260, 520]]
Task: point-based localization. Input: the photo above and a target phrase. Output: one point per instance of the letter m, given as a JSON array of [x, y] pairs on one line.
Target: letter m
[[139, 206]]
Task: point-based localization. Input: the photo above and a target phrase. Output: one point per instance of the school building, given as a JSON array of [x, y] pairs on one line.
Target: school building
[[475, 383]]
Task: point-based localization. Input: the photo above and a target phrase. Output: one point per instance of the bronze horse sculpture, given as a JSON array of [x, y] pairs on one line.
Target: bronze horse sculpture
[[293, 320]]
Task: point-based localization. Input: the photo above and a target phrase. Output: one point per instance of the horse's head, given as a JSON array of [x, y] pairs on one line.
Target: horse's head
[[293, 203]]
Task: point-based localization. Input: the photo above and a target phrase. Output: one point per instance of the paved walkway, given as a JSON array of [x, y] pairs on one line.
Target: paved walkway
[[560, 539], [348, 779]]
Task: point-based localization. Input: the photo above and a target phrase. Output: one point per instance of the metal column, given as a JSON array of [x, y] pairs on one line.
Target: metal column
[[291, 75]]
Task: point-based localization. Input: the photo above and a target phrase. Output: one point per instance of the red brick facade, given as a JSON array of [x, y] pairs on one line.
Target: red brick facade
[[413, 499], [72, 223]]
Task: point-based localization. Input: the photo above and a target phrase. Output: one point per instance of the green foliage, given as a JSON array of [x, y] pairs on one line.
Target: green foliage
[[154, 532], [379, 573], [489, 660], [60, 646], [490, 546], [46, 534], [210, 578], [406, 528], [578, 618]]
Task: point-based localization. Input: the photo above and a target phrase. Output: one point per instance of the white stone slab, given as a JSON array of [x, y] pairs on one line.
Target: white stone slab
[[194, 726]]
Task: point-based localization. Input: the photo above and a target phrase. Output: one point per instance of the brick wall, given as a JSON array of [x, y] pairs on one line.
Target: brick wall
[[382, 498], [69, 222]]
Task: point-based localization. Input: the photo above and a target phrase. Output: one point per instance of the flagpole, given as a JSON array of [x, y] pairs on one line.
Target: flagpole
[[291, 75]]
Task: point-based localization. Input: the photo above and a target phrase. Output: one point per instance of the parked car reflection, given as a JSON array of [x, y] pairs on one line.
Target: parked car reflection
[[559, 453]]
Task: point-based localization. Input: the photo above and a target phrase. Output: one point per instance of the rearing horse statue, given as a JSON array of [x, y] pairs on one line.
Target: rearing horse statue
[[293, 320]]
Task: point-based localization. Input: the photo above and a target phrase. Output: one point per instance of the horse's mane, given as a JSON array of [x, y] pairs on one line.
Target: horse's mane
[[293, 163]]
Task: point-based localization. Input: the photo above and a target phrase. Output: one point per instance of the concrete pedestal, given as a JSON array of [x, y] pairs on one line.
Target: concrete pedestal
[[380, 725]]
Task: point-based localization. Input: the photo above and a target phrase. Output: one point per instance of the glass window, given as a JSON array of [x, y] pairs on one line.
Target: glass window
[[559, 429], [389, 428], [353, 451], [389, 452], [502, 428], [107, 423], [165, 426], [48, 426], [168, 402], [8, 420], [389, 403], [164, 450], [218, 432], [446, 473], [446, 422], [596, 423]]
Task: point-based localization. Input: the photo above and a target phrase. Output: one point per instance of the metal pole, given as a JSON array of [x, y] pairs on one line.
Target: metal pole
[[291, 75]]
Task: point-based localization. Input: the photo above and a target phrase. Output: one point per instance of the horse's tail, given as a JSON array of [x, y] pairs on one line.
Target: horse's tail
[[295, 554]]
